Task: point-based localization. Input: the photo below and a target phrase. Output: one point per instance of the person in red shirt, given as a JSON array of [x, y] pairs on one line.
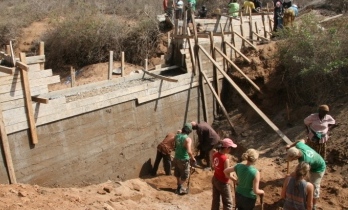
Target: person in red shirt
[[219, 180]]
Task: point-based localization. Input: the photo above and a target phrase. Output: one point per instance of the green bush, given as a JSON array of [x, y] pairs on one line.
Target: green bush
[[314, 61]]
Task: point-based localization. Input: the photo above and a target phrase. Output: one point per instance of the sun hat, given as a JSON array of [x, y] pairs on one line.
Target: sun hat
[[228, 143], [292, 153], [324, 107]]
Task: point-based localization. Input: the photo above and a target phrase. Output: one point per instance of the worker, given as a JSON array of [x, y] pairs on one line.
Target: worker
[[203, 12], [296, 191], [207, 139], [249, 6], [233, 8], [278, 16], [220, 181], [192, 5], [258, 5], [287, 4], [289, 16], [248, 179], [183, 157], [303, 153], [179, 9], [164, 150], [168, 6], [318, 126]]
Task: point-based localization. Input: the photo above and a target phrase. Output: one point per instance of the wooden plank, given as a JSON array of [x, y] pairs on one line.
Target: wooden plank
[[30, 114], [217, 97], [247, 99], [7, 70], [122, 64], [253, 46], [239, 52], [40, 99], [13, 58], [32, 75], [41, 52], [159, 76], [37, 59], [16, 85], [22, 66], [72, 76], [7, 151], [111, 64], [239, 70], [13, 95]]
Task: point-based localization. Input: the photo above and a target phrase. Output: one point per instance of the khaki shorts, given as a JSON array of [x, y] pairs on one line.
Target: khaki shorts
[[181, 168], [315, 179]]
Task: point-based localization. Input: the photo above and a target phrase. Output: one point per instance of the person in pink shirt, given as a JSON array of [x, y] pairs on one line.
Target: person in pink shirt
[[318, 125]]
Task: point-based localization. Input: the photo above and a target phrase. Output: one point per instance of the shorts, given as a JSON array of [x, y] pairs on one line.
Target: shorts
[[315, 179], [181, 168]]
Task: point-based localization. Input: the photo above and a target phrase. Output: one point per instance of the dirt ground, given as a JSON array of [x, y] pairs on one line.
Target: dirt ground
[[153, 193]]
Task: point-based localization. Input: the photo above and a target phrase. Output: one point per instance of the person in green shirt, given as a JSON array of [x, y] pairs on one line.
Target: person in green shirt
[[234, 8], [248, 180], [183, 156], [303, 153]]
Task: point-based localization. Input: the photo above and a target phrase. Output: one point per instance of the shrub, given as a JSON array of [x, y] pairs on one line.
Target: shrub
[[314, 61]]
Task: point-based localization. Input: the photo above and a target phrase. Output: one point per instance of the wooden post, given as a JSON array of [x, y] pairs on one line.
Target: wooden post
[[241, 29], [12, 54], [184, 26], [111, 64], [145, 64], [42, 52], [199, 65], [233, 40], [72, 76], [7, 150], [122, 64], [8, 50], [192, 54], [250, 25], [264, 25], [28, 101], [257, 31], [215, 80]]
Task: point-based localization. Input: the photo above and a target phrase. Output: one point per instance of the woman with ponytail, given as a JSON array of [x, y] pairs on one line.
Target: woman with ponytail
[[298, 193], [248, 180]]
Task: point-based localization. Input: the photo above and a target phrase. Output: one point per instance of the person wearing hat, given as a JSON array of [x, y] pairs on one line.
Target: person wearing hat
[[248, 180], [303, 153], [297, 192], [219, 180], [318, 125], [207, 139], [183, 156]]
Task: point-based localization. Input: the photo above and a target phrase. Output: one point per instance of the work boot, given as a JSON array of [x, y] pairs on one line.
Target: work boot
[[178, 190], [183, 191]]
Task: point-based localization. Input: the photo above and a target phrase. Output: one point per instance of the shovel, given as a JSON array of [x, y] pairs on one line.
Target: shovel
[[192, 170], [261, 201]]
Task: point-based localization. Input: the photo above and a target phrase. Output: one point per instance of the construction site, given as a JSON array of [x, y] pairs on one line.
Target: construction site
[[92, 146]]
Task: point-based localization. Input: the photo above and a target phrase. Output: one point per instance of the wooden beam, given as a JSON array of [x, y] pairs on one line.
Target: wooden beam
[[7, 150], [122, 64], [7, 70], [244, 39], [261, 37], [219, 102], [12, 54], [37, 59], [239, 70], [215, 80], [192, 53], [28, 102], [111, 64], [42, 52], [39, 99], [22, 66], [160, 77], [72, 76], [247, 99], [239, 52]]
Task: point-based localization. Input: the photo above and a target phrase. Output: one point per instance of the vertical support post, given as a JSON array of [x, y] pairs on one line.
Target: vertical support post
[[215, 73], [8, 49], [122, 64], [199, 65], [42, 52], [223, 47], [12, 54], [72, 76], [264, 25], [184, 25], [28, 101], [241, 29], [257, 31], [7, 151], [233, 41], [111, 64], [250, 26], [192, 54], [145, 64]]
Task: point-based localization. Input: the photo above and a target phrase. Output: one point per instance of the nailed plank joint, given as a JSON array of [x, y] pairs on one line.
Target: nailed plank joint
[[22, 66], [40, 99]]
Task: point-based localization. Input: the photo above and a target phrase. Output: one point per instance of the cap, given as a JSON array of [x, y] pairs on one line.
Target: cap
[[228, 143], [292, 153], [324, 107], [188, 126]]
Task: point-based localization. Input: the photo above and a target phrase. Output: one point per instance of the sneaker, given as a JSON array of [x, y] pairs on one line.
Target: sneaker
[[178, 190], [183, 191]]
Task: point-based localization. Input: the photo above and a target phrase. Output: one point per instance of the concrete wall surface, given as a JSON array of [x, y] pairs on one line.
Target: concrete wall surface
[[116, 142]]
